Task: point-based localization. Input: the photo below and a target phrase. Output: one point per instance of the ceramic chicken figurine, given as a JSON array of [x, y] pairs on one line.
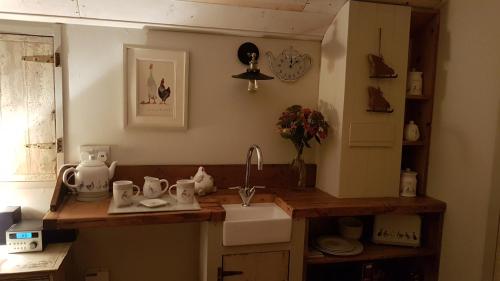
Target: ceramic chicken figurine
[[203, 182], [163, 92]]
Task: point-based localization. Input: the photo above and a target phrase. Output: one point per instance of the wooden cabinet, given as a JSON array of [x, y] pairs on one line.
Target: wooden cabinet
[[362, 158], [393, 262], [263, 262], [270, 266], [52, 264]]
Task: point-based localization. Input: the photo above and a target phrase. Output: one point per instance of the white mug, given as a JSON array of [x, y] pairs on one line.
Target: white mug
[[152, 187], [184, 191], [123, 191]]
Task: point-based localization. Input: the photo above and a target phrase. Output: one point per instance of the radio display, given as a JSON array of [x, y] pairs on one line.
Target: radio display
[[24, 235]]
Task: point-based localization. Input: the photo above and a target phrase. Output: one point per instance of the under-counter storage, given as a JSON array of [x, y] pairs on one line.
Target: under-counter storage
[[266, 266], [401, 269], [256, 262], [422, 261]]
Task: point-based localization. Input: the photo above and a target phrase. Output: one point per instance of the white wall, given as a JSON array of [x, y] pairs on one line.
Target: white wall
[[223, 121], [221, 113], [223, 118], [465, 145]]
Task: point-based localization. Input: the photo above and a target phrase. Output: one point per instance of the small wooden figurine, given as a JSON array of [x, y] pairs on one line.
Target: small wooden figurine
[[377, 102], [378, 68]]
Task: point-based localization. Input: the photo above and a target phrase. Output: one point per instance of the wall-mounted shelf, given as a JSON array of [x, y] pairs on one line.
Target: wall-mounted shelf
[[414, 143], [422, 57], [417, 98], [383, 77], [372, 252]]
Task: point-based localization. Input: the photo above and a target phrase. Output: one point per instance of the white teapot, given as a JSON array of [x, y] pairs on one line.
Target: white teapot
[[91, 179]]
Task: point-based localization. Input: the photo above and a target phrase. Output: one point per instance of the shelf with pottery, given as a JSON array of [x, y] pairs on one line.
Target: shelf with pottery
[[421, 251], [371, 252], [424, 35]]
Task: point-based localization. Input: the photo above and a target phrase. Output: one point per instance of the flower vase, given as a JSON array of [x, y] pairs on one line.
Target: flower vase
[[299, 168]]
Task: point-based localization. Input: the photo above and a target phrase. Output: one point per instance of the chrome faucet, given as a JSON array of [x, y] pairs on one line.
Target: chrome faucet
[[246, 192]]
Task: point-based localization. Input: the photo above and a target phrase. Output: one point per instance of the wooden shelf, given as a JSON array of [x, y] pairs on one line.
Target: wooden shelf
[[417, 98], [372, 252], [414, 143]]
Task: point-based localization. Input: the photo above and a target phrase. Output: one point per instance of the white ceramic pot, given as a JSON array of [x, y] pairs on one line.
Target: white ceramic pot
[[411, 132], [408, 184], [91, 179], [415, 83], [350, 228]]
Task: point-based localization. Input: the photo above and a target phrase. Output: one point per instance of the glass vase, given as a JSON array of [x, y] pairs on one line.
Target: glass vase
[[298, 166]]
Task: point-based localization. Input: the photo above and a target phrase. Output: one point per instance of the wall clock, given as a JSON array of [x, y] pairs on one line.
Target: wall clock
[[290, 65]]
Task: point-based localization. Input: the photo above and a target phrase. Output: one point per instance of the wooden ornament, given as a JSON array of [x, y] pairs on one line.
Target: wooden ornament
[[378, 68], [377, 102]]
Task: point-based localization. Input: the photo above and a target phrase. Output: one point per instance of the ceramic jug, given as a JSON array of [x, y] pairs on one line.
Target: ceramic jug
[[415, 83], [91, 179], [408, 184], [411, 132], [152, 187]]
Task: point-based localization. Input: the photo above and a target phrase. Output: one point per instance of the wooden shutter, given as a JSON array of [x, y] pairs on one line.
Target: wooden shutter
[[28, 149]]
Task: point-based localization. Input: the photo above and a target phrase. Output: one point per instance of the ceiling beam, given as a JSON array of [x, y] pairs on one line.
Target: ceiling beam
[[284, 5]]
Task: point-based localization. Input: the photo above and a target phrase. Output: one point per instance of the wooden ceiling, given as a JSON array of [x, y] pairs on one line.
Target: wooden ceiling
[[299, 19], [316, 6]]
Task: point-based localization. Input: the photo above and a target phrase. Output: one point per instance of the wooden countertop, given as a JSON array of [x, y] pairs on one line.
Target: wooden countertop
[[298, 204]]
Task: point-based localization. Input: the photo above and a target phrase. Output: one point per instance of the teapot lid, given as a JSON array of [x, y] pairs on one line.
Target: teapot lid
[[92, 162]]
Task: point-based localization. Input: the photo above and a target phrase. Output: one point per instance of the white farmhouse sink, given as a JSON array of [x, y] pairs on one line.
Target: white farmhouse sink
[[260, 223]]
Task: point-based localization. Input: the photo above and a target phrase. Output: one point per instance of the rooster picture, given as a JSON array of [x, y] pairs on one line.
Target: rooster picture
[[163, 92]]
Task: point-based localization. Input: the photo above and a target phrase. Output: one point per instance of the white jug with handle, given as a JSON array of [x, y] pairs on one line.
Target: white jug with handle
[[152, 187], [91, 179]]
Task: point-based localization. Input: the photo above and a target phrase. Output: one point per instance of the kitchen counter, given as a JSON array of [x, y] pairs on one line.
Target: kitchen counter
[[298, 204], [68, 213]]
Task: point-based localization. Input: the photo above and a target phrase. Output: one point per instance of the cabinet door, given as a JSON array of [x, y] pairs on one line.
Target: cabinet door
[[270, 266]]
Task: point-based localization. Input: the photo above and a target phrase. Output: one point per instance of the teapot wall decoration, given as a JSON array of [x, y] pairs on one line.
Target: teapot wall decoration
[[290, 65]]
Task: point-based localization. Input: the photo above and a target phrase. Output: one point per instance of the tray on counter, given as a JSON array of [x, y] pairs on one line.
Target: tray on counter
[[136, 207]]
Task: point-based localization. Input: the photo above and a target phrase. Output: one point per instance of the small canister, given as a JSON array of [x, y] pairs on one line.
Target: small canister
[[411, 132], [408, 184], [415, 83]]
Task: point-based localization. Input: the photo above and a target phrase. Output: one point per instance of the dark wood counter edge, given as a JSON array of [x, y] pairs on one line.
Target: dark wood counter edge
[[60, 190], [294, 203]]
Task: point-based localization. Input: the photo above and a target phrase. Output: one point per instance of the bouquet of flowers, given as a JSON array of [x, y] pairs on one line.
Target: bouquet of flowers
[[300, 125]]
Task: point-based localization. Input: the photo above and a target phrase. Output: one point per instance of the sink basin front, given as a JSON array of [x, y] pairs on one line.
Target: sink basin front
[[260, 223]]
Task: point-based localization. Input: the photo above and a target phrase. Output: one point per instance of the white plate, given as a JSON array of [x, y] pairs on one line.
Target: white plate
[[334, 243], [338, 246], [153, 203]]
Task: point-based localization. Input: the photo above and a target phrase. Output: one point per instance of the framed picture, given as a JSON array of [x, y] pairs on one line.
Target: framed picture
[[156, 87]]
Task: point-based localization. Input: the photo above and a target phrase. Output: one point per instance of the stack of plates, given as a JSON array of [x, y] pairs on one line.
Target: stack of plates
[[338, 246]]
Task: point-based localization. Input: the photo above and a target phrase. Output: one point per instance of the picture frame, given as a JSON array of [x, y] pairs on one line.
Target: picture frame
[[156, 87]]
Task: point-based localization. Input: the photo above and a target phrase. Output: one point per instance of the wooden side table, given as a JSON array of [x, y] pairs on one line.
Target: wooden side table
[[48, 265]]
